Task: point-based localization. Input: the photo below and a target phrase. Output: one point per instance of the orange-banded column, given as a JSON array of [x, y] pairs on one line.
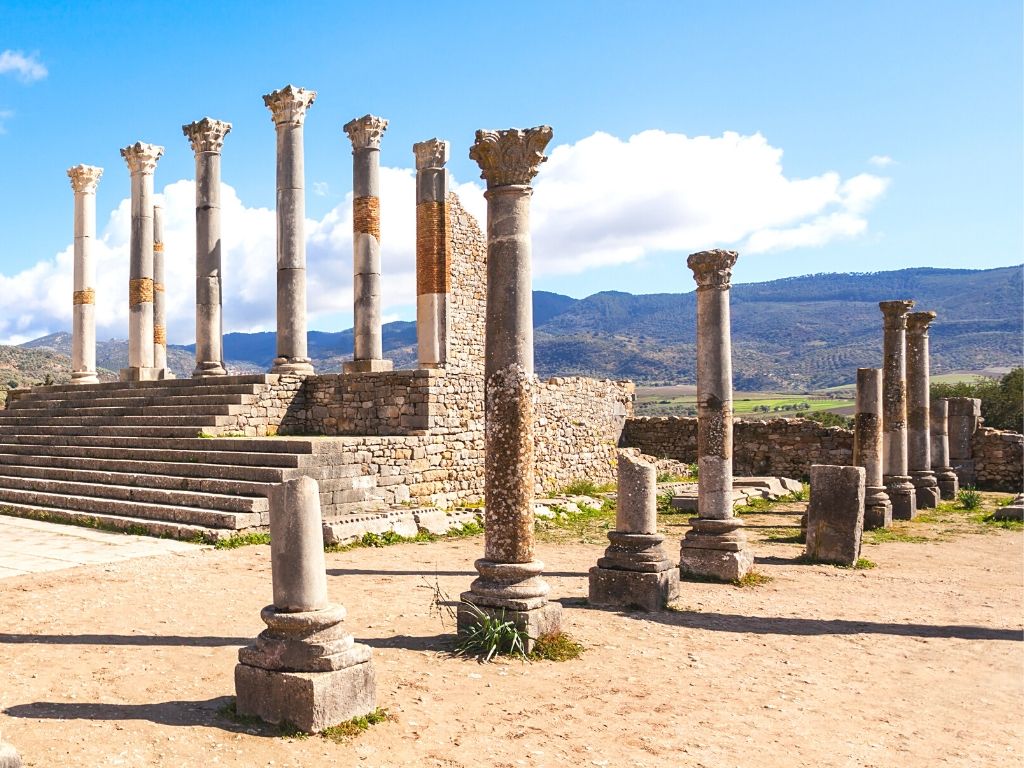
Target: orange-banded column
[[159, 297], [141, 160], [84, 179], [368, 344], [433, 253]]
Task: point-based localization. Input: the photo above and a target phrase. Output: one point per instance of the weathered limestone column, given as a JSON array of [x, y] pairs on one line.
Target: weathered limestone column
[[288, 106], [510, 577], [304, 668], [919, 460], [141, 159], [433, 259], [835, 514], [368, 344], [207, 139], [159, 297], [715, 545], [964, 419], [938, 418], [84, 179], [894, 410], [634, 570], [867, 448], [9, 757]]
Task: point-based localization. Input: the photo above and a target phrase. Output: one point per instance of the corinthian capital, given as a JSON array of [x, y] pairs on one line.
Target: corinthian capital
[[512, 156], [918, 323], [141, 158], [365, 132], [712, 269], [84, 178], [432, 153], [289, 104], [895, 313], [206, 135]]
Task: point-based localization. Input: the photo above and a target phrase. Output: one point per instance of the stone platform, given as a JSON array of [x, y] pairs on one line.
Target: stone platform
[[744, 489]]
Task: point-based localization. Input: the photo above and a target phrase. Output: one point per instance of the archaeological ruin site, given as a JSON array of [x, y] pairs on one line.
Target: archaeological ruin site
[[471, 468]]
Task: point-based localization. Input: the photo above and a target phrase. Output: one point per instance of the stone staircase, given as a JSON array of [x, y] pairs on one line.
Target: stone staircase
[[129, 456]]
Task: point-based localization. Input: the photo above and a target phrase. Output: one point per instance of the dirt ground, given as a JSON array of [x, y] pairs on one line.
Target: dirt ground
[[916, 662]]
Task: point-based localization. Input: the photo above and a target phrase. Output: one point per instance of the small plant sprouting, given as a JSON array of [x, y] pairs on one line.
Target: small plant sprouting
[[348, 730], [968, 498], [557, 646], [753, 579], [584, 487], [490, 635]]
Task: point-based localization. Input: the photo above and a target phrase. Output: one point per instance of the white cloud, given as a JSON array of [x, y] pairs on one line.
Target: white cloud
[[880, 161], [5, 114], [321, 188], [28, 69], [598, 202]]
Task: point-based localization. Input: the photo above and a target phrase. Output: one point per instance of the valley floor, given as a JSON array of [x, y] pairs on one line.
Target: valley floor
[[916, 662]]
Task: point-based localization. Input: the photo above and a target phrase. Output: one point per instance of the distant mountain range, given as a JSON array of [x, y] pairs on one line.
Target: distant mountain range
[[795, 334]]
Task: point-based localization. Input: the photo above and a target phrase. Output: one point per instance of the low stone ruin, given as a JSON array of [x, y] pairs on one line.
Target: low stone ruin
[[835, 514]]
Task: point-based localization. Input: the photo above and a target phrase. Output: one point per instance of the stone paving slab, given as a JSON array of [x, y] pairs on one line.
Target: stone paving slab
[[32, 546]]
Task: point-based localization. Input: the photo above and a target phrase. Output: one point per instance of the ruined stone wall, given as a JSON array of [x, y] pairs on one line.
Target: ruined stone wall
[[998, 459], [578, 425], [467, 308], [783, 447]]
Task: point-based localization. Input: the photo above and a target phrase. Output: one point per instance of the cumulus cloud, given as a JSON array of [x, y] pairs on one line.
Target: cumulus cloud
[[601, 201], [28, 69]]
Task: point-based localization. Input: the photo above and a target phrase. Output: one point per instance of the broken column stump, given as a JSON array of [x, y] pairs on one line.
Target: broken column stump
[[635, 571], [835, 514], [304, 669]]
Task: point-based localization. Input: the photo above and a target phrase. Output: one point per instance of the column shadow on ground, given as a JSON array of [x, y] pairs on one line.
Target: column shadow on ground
[[177, 713], [425, 573], [202, 641]]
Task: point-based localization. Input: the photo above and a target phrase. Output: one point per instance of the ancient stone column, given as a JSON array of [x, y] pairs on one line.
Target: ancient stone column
[[207, 139], [433, 260], [835, 514], [368, 343], [288, 106], [894, 410], [634, 571], [304, 669], [84, 179], [867, 448], [938, 418], [159, 297], [141, 159], [510, 576], [715, 545], [964, 419], [9, 757], [919, 460]]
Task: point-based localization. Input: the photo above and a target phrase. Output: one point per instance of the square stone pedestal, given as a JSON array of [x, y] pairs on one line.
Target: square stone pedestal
[[367, 366], [721, 565], [877, 515], [948, 487], [311, 701], [904, 503], [545, 619], [633, 589]]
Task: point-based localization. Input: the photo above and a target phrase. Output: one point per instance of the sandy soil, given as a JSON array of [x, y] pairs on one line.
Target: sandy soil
[[917, 662]]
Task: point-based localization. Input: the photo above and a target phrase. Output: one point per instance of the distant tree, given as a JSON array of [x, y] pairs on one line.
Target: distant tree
[[1002, 400], [829, 419]]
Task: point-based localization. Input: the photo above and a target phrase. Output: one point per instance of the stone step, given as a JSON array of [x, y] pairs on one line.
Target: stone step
[[85, 431], [177, 469], [89, 396], [171, 530], [110, 421], [116, 507], [210, 381], [190, 442], [211, 409], [103, 478], [159, 455], [55, 406], [63, 485]]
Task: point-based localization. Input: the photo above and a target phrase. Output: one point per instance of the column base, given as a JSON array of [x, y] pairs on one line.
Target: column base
[[926, 488], [877, 508], [715, 549], [141, 374], [649, 591], [84, 377], [544, 619], [966, 474], [295, 365], [949, 485], [903, 496], [367, 366], [209, 368]]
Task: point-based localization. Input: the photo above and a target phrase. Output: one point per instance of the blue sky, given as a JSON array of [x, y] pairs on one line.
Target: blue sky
[[899, 126]]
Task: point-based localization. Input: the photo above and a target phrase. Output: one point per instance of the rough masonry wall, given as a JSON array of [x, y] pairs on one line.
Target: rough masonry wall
[[782, 447], [467, 308], [998, 459]]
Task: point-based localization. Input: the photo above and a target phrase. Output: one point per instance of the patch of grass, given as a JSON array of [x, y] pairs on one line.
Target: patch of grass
[[465, 504], [863, 564], [588, 525], [665, 503], [802, 495], [243, 540], [556, 646], [671, 477], [1008, 525], [968, 498], [584, 487], [753, 579], [887, 535], [345, 732], [205, 435], [755, 505], [489, 636]]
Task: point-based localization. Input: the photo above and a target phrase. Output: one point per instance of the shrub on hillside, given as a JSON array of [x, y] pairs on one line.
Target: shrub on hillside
[[1002, 401]]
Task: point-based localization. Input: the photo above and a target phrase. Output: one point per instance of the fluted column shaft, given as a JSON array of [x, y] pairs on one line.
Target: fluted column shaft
[[919, 462], [159, 295], [141, 160], [867, 447], [894, 410], [288, 107], [433, 260], [938, 416], [84, 179], [207, 139]]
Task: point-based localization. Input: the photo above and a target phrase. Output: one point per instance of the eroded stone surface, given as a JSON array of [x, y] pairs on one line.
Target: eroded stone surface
[[835, 514]]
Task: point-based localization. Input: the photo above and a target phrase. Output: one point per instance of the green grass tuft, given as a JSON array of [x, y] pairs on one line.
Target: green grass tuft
[[753, 579], [557, 646], [345, 732], [243, 540], [489, 636], [968, 498], [584, 487]]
